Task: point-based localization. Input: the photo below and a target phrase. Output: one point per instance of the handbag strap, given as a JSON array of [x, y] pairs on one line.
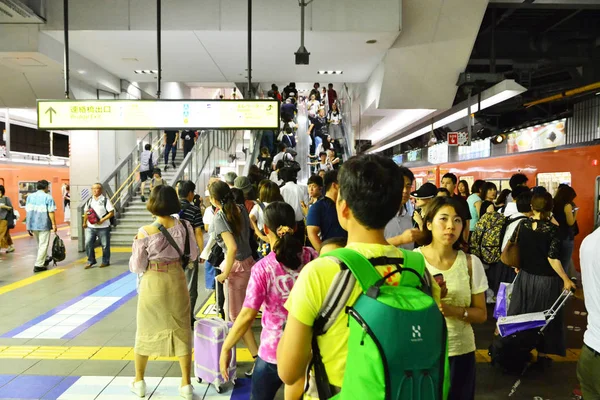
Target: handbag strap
[[172, 242]]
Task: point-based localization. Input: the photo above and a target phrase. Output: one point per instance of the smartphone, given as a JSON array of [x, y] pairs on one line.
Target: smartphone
[[575, 209], [439, 278]]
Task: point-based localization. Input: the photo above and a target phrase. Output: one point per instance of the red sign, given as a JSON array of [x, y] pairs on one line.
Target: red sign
[[458, 139], [452, 138]]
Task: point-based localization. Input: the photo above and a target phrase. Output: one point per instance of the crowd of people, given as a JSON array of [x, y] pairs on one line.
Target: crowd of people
[[265, 236], [324, 128]]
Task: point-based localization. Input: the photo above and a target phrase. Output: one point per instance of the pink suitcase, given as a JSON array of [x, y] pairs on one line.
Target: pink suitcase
[[209, 335]]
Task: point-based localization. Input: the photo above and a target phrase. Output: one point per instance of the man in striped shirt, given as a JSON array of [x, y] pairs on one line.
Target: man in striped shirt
[[189, 212], [40, 208]]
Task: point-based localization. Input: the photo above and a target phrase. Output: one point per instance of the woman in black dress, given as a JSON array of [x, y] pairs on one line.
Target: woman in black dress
[[541, 278]]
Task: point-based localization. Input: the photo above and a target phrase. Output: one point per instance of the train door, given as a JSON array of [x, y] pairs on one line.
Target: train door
[[551, 180], [597, 203]]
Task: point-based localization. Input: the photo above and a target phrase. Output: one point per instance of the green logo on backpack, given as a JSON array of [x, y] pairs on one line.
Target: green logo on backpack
[[397, 348]]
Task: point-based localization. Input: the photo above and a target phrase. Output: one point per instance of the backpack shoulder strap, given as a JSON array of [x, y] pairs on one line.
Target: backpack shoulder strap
[[361, 267], [415, 261]]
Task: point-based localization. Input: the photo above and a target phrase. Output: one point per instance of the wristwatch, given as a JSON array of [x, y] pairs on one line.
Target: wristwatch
[[466, 314]]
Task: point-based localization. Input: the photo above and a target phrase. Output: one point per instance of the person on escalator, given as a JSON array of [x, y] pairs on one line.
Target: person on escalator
[[318, 128]]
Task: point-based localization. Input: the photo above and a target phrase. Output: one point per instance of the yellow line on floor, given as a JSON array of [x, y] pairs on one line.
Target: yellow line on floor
[[126, 353], [88, 353], [28, 281]]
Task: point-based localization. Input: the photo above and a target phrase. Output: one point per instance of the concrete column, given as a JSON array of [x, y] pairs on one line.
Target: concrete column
[[86, 154]]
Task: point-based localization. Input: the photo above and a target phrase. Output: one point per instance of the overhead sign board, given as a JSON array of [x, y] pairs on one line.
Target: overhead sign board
[[157, 114]]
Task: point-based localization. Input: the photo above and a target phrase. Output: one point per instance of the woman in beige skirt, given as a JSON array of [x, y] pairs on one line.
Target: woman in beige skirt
[[163, 312]]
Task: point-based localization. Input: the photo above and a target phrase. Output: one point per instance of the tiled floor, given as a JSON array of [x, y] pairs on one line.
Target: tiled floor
[[68, 334]]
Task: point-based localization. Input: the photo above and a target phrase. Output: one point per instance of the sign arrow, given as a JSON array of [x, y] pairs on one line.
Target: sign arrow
[[51, 111]]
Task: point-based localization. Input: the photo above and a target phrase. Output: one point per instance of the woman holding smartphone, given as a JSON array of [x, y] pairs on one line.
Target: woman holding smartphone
[[466, 282], [565, 213]]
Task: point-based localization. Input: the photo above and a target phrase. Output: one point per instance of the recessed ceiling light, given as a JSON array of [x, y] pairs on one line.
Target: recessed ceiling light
[[81, 71], [371, 41], [146, 71], [330, 72]]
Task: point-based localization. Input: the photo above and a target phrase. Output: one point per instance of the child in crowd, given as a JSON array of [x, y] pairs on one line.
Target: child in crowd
[[333, 244], [157, 179]]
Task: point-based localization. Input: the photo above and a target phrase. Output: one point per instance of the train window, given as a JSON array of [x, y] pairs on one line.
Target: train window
[[551, 180]]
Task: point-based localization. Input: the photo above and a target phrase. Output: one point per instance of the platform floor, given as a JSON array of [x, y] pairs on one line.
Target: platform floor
[[68, 333]]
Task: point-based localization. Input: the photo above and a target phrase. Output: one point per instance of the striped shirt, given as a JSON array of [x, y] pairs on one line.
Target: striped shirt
[[38, 205], [192, 214]]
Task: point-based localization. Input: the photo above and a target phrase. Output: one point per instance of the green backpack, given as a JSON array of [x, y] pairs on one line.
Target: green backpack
[[398, 346]]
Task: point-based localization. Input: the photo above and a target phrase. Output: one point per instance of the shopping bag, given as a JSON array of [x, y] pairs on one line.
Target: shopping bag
[[503, 299], [516, 323]]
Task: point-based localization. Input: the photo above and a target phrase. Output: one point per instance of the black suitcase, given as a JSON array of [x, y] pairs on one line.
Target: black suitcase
[[513, 353]]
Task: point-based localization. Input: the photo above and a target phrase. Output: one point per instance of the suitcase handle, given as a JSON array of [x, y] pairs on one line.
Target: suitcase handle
[[558, 304]]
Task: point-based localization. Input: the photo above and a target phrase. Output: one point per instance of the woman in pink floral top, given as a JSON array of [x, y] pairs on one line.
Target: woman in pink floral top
[[270, 283]]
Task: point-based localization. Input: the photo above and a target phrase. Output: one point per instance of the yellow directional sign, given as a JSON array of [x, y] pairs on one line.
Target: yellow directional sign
[[157, 114]]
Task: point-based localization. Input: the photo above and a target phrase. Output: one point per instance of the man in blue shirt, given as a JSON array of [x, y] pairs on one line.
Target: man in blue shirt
[[322, 221], [40, 208]]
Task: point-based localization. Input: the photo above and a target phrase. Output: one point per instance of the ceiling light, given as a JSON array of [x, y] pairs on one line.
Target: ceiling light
[[498, 139], [496, 94], [81, 71], [146, 71], [330, 72]]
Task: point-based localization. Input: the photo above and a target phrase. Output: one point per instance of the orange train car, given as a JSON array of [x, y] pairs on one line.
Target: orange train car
[[578, 166], [20, 179]]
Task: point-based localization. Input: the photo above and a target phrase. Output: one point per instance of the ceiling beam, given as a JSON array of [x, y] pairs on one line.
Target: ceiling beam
[[562, 21], [510, 11]]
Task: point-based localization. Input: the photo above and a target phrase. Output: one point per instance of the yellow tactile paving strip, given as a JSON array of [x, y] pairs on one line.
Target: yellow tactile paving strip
[[87, 353], [46, 274], [126, 353]]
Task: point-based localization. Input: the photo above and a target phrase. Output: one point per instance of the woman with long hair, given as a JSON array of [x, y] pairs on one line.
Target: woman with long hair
[[466, 284], [565, 213], [541, 278], [501, 200], [489, 190], [270, 284], [163, 310], [463, 189], [269, 193], [231, 230]]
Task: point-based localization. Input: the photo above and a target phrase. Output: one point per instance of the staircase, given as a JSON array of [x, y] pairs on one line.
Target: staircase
[[135, 214]]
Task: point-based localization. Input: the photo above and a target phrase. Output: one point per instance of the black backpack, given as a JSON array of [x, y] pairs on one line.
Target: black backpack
[[59, 253]]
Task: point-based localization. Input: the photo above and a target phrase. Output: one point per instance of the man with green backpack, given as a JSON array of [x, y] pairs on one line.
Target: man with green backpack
[[366, 318]]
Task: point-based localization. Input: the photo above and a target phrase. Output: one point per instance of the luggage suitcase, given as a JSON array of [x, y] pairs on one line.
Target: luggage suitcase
[[209, 335], [513, 351]]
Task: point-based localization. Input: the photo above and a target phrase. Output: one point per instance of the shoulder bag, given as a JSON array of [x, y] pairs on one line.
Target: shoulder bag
[[511, 255], [185, 256]]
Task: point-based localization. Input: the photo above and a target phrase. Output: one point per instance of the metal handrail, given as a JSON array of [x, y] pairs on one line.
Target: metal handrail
[[120, 198]]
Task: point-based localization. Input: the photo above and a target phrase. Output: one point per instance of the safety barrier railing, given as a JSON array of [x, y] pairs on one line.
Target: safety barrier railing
[[196, 160], [253, 150], [122, 183], [345, 100]]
